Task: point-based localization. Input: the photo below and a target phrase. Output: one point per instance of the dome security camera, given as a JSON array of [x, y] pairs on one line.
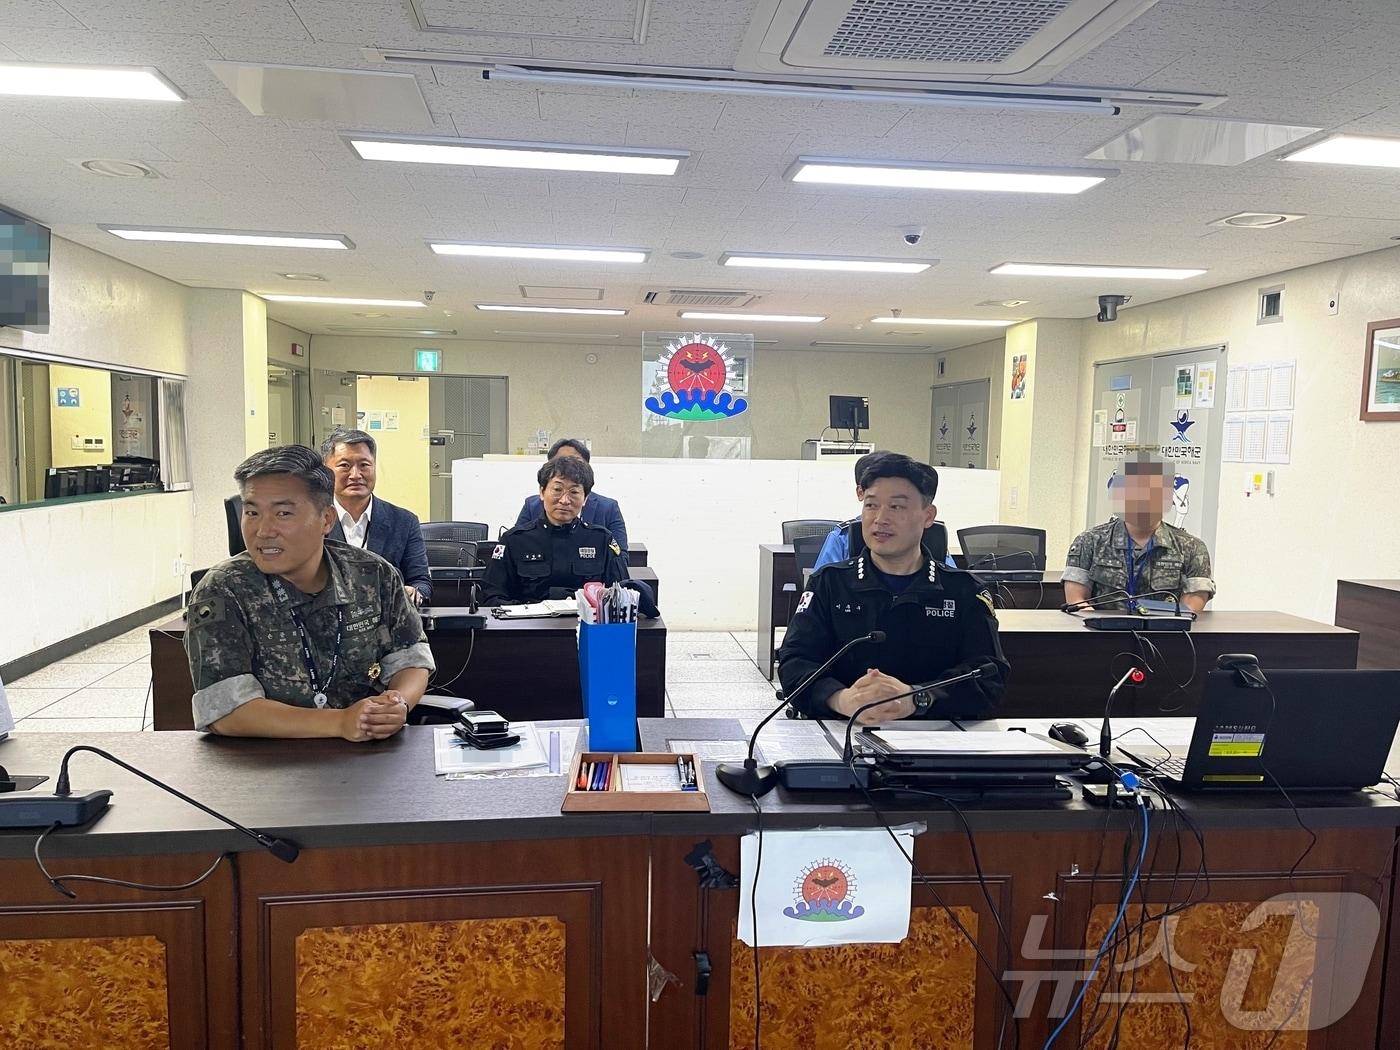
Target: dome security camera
[[912, 235]]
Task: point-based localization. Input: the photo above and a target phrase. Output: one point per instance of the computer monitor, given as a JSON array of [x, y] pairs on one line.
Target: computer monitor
[[850, 413]]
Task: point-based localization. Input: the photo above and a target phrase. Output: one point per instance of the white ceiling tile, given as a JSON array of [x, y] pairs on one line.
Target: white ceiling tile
[[36, 14], [254, 17]]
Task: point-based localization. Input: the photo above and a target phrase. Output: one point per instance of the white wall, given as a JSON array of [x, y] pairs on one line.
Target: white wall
[[703, 519], [555, 388], [77, 566], [1335, 512]]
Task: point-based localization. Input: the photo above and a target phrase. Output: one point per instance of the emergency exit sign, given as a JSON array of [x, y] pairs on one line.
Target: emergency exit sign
[[427, 360]]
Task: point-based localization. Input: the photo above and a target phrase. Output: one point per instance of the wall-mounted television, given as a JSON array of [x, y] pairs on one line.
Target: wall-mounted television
[[24, 272]]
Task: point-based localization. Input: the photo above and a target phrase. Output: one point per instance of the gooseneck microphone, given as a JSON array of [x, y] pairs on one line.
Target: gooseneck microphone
[[282, 849], [923, 699], [1136, 676], [754, 780]]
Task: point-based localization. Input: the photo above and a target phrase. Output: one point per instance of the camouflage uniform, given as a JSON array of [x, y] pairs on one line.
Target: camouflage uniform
[[1178, 562], [243, 644]]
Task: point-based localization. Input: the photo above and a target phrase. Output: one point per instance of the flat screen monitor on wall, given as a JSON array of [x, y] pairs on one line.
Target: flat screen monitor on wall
[[850, 413], [24, 272]]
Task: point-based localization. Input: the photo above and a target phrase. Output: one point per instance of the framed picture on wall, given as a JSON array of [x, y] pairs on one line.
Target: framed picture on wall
[[1380, 383]]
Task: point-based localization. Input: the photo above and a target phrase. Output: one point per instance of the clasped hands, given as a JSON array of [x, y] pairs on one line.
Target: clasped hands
[[872, 686], [374, 717]]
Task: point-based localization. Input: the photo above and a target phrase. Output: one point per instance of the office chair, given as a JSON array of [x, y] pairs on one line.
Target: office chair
[[458, 531], [1004, 548], [451, 554], [233, 515], [807, 527], [805, 550]]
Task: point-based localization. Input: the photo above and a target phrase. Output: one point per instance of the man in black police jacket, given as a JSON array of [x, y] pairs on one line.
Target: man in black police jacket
[[558, 552], [938, 622]]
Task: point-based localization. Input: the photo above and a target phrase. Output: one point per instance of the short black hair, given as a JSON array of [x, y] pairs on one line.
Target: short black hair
[[869, 459], [895, 465], [570, 468], [573, 443], [345, 436], [297, 460]]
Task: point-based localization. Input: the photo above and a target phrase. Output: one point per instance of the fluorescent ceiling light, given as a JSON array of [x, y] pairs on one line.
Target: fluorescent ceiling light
[[122, 82], [540, 156], [913, 175], [700, 315], [598, 310], [344, 329], [1149, 273], [1368, 150], [529, 251], [808, 262], [336, 300], [953, 322], [244, 237]]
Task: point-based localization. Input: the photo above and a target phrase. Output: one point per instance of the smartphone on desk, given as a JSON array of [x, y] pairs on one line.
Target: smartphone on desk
[[486, 741], [482, 723]]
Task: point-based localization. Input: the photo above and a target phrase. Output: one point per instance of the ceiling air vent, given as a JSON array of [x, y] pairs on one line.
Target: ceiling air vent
[[696, 297], [1015, 41]]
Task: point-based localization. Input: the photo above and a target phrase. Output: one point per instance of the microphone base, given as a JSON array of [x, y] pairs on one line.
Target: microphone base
[[747, 778]]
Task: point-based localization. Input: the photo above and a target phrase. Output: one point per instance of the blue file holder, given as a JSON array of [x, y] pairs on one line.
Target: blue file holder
[[607, 664]]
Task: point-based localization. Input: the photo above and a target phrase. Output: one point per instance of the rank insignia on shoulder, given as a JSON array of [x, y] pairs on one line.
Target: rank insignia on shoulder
[[374, 672], [499, 552], [614, 547], [986, 599]]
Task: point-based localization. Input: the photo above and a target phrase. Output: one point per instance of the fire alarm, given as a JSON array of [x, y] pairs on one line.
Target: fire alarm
[[298, 350]]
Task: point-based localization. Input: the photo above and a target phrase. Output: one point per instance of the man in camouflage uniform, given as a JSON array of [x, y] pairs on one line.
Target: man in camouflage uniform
[[1137, 552], [300, 636]]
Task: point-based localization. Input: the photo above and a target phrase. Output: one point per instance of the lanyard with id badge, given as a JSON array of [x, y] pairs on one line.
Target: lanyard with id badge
[[318, 687]]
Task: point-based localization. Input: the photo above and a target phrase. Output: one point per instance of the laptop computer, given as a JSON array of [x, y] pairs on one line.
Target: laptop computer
[[1310, 730]]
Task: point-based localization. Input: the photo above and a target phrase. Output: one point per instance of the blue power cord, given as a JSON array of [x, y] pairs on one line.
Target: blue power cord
[[1130, 782]]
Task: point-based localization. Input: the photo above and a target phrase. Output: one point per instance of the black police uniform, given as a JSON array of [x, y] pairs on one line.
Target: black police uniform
[[942, 625], [540, 560]]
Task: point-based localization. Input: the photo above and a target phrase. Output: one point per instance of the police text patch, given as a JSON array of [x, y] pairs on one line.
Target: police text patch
[[588, 552], [949, 610]]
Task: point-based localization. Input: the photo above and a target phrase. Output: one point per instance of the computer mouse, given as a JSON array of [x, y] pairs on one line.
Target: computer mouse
[[1068, 733]]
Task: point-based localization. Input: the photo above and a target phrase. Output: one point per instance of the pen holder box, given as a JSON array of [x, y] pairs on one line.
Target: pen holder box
[[607, 665], [616, 800]]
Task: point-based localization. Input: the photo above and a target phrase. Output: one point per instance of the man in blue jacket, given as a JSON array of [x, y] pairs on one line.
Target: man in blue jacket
[[598, 510], [365, 520]]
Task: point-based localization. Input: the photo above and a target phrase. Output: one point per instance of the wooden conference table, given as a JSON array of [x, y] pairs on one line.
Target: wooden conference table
[[425, 913], [525, 669], [1372, 607], [777, 568]]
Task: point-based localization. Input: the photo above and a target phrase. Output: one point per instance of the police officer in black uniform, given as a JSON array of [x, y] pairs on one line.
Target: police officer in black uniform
[[558, 552], [938, 622]]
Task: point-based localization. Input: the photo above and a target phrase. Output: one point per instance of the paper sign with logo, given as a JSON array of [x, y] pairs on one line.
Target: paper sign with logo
[[695, 395], [825, 887]]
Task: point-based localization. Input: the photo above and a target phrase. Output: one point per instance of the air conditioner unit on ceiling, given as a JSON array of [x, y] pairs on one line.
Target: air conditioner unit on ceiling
[[1008, 41]]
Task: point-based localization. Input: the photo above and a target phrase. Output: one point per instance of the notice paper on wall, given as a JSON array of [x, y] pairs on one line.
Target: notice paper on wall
[[826, 886], [1205, 385], [1278, 439], [1232, 441], [1255, 440], [1281, 384], [1257, 388], [1235, 382]]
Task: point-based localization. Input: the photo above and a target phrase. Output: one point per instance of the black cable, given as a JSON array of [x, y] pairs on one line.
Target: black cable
[[58, 881], [1010, 1010], [471, 648], [753, 917]]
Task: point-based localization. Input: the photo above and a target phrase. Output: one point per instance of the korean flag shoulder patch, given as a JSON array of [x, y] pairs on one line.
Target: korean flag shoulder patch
[[805, 601], [499, 552]]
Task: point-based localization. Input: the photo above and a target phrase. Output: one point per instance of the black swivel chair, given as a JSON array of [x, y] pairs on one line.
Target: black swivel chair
[[1013, 551], [807, 527], [450, 554], [233, 515], [458, 531]]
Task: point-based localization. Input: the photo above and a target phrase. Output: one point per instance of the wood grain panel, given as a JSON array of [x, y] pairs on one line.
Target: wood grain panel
[[475, 982], [84, 991], [1201, 942], [915, 993]]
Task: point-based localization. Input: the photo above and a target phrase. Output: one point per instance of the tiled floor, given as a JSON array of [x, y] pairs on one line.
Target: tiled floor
[[104, 689], [108, 688]]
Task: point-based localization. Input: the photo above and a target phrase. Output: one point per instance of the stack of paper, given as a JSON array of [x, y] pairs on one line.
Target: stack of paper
[[453, 755]]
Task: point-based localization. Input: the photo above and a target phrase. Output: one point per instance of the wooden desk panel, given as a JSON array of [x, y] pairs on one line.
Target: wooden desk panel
[[525, 669], [1372, 607]]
